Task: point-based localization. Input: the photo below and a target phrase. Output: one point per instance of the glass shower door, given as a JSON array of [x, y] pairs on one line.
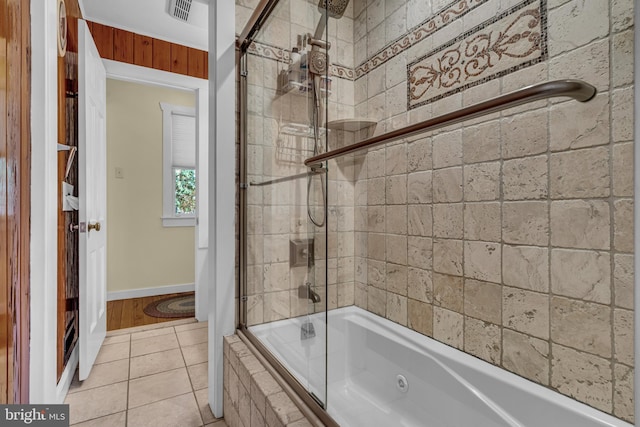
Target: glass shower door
[[285, 293]]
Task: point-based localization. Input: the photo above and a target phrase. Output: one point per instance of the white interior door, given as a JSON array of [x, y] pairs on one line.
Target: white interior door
[[92, 192]]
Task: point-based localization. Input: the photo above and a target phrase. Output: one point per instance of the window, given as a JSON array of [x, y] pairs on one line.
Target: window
[[179, 165]]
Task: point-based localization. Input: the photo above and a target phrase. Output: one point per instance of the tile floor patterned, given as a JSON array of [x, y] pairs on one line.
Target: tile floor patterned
[[154, 375]]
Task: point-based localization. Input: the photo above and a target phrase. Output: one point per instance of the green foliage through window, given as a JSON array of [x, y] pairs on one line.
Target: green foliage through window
[[185, 181]]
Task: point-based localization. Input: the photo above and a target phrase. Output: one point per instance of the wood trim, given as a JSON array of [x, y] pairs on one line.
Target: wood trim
[[15, 146], [132, 48]]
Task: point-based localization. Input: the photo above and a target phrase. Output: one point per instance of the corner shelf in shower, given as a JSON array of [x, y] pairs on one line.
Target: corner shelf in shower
[[355, 124]]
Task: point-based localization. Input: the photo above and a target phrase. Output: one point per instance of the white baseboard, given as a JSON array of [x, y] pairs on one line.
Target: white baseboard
[[67, 376], [149, 292]]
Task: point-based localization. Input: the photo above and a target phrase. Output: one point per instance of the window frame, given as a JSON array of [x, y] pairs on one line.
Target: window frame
[[169, 217]]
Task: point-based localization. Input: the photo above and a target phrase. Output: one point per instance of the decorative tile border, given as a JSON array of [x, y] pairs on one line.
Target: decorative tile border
[[418, 33], [501, 45], [270, 52]]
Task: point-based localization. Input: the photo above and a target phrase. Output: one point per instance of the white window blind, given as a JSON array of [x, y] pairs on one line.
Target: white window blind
[[183, 141]]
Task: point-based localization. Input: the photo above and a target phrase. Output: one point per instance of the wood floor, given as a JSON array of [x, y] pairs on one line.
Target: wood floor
[[127, 313]]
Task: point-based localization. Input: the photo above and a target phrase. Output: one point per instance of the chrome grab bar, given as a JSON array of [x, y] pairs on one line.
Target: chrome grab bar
[[576, 89]]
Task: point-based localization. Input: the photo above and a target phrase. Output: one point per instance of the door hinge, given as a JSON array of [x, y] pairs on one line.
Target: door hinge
[[244, 73]]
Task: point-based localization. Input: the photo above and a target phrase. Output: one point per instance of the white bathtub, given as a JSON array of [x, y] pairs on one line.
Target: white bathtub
[[446, 387]]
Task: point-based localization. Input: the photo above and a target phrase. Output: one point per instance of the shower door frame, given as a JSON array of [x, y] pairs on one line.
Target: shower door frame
[[257, 19]]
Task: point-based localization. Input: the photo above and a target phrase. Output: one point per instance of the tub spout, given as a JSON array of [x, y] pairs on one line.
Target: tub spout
[[305, 291]]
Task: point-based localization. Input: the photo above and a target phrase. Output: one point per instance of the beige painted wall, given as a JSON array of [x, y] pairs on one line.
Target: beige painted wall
[[141, 253]]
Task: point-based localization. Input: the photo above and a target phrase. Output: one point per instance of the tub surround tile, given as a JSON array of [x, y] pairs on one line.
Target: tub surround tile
[[482, 339], [526, 178], [525, 223], [447, 185], [448, 292], [526, 311], [581, 325], [482, 221], [573, 25], [623, 280], [448, 220], [447, 149], [420, 317], [419, 186], [589, 63], [579, 125], [448, 327], [581, 274], [396, 279], [623, 170], [569, 371], [524, 134], [580, 173], [623, 393], [526, 356], [622, 114], [420, 284], [483, 301], [623, 336], [397, 308], [447, 256], [481, 143], [526, 267], [420, 252], [482, 182], [623, 225], [420, 220], [580, 224]]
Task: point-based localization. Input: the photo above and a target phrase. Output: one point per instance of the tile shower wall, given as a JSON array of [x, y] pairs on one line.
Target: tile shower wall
[[509, 237]]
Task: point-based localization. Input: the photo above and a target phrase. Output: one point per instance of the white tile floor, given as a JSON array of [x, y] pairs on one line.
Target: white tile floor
[[154, 375]]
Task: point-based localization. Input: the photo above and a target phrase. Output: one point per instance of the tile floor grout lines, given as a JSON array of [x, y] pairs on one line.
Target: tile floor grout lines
[[159, 390]]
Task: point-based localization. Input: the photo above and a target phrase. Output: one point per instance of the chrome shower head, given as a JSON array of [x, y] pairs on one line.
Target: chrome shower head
[[334, 8]]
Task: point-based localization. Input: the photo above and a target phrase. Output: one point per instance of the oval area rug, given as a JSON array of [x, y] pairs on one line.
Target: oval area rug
[[180, 306]]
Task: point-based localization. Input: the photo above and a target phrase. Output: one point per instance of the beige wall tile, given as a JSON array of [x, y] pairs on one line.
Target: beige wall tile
[[482, 182], [622, 67], [448, 220], [419, 187], [621, 14], [589, 63], [420, 317], [482, 221], [396, 159], [581, 274], [376, 191], [396, 219], [623, 336], [622, 115], [447, 256], [377, 301], [526, 356], [482, 261], [580, 224], [396, 278], [420, 220], [420, 284], [525, 223], [580, 173], [397, 308], [448, 292], [576, 24], [623, 393], [375, 163], [623, 225], [448, 327], [447, 149], [570, 369], [419, 155], [447, 185], [481, 143], [377, 246], [276, 277], [525, 179], [376, 271], [483, 300], [623, 280], [582, 325], [580, 124], [276, 306], [623, 170], [396, 246], [526, 267], [420, 252], [524, 134], [526, 312], [483, 340]]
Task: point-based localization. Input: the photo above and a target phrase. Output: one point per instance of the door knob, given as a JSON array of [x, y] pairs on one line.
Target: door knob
[[95, 226]]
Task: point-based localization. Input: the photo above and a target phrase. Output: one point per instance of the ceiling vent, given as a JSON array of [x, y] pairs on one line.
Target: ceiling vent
[[179, 9]]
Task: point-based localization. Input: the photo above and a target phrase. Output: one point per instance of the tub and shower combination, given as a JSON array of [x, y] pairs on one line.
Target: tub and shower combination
[[352, 284]]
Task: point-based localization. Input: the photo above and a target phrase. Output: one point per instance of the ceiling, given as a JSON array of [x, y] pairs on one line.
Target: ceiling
[[150, 18]]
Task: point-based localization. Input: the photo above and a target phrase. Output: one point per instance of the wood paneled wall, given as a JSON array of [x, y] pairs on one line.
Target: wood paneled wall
[[15, 162], [132, 48]]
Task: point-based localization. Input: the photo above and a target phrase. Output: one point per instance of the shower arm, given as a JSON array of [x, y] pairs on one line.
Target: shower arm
[[576, 89]]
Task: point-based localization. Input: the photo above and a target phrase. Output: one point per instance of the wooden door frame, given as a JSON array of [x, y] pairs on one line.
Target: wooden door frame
[[15, 184]]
